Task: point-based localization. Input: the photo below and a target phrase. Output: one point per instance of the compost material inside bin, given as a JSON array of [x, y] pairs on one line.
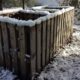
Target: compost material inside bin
[[24, 15]]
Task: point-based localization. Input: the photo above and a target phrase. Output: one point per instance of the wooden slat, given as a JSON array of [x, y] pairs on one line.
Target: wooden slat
[[48, 39], [6, 45], [53, 49], [22, 53], [62, 30], [43, 36], [72, 19], [51, 38], [38, 46], [65, 28], [68, 22], [14, 48], [60, 34], [54, 35], [33, 50], [1, 49]]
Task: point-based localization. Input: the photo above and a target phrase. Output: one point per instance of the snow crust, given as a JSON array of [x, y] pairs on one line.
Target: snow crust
[[66, 66]]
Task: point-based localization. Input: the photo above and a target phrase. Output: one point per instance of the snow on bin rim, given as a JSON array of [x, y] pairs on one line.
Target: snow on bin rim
[[7, 11], [35, 12], [43, 8], [37, 21], [32, 23], [59, 12], [50, 7], [52, 15], [14, 21], [70, 8]]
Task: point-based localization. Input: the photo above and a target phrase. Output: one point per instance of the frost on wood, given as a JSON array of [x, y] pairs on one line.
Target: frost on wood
[[66, 66]]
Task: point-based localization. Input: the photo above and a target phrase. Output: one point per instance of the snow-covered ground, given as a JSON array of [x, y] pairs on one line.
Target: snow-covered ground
[[66, 66], [6, 75]]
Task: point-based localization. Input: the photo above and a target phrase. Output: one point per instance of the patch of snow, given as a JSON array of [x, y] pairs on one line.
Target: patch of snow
[[38, 7], [66, 65], [70, 8], [12, 10], [37, 21], [6, 75], [43, 18], [35, 12]]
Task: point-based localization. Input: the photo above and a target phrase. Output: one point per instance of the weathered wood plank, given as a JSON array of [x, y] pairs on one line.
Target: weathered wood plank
[[51, 37], [33, 50], [62, 29], [54, 35], [1, 48], [43, 36], [60, 19], [58, 32], [14, 48], [22, 53], [6, 45], [38, 46], [64, 23], [48, 39]]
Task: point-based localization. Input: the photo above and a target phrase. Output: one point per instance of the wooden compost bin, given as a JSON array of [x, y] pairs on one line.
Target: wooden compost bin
[[29, 40]]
